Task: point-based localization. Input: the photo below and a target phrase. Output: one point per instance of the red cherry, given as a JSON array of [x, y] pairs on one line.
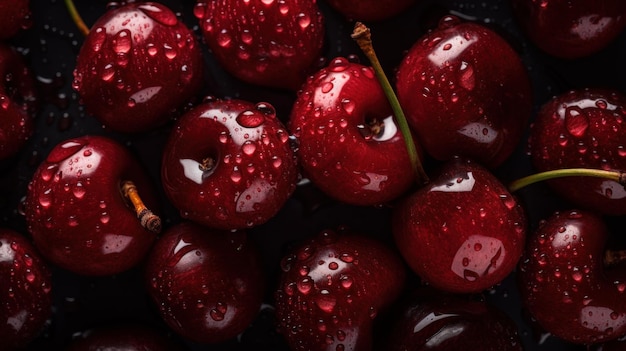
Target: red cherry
[[583, 129], [123, 336], [25, 300], [18, 101], [76, 212], [331, 289], [428, 320], [207, 284], [138, 64], [228, 164], [571, 29], [14, 17], [349, 144], [564, 283], [465, 92], [265, 42], [370, 10], [463, 232]]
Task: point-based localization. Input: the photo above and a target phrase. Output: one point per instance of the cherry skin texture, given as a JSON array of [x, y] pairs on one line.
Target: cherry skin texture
[[122, 337], [463, 232], [583, 129], [331, 289], [215, 278], [25, 300], [18, 102], [14, 17], [138, 64], [228, 164], [430, 321], [370, 10], [564, 284], [338, 149], [267, 43], [76, 212], [465, 92], [571, 29]]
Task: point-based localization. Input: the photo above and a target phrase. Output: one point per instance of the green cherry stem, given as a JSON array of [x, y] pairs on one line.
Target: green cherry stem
[[82, 27], [363, 37], [617, 176]]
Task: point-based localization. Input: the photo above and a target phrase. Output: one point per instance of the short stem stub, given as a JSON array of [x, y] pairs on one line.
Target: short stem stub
[[147, 218], [363, 37], [615, 175], [78, 20]]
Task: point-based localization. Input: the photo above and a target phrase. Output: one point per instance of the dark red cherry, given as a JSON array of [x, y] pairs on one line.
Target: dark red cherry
[[137, 66], [25, 298], [76, 212], [583, 129], [14, 17], [564, 283], [208, 285], [331, 289], [571, 29], [465, 92], [463, 232], [123, 337]]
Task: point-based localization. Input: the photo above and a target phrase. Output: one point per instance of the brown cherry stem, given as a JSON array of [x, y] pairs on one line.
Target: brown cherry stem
[[363, 37], [78, 20], [614, 257], [617, 176], [147, 218]]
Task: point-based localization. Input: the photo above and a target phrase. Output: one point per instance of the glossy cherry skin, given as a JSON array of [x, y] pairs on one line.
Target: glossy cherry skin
[[207, 284], [564, 284], [122, 337], [25, 298], [76, 212], [137, 66], [228, 164], [18, 102], [14, 17], [570, 29], [267, 43], [463, 232], [337, 149], [370, 10], [465, 92], [431, 321], [331, 289], [583, 129]]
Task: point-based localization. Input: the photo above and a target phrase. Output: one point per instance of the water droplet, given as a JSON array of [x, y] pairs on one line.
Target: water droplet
[[236, 175], [467, 78], [159, 13], [223, 39], [576, 121], [304, 20], [249, 148], [122, 42], [325, 301], [250, 119], [305, 285], [108, 72], [327, 87], [98, 38]]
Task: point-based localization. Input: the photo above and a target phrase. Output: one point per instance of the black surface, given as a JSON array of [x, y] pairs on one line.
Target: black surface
[[50, 47]]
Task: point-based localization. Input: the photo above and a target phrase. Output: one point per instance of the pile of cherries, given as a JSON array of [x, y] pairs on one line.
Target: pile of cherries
[[235, 175]]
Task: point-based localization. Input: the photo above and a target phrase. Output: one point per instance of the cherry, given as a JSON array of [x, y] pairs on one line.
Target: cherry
[[25, 299], [123, 336], [14, 17], [462, 232], [583, 128], [228, 164], [207, 284], [564, 284], [349, 144], [465, 92], [18, 101], [429, 320], [370, 10], [78, 207], [331, 289], [137, 66], [570, 29], [268, 43]]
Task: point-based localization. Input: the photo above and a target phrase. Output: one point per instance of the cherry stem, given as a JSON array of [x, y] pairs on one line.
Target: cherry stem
[[147, 218], [78, 20], [363, 37], [617, 176], [614, 257]]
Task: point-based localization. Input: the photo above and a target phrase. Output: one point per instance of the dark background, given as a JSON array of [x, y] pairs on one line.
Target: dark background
[[50, 48]]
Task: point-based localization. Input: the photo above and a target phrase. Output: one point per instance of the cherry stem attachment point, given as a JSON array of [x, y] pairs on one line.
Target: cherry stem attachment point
[[147, 218], [617, 176], [78, 20], [363, 37]]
